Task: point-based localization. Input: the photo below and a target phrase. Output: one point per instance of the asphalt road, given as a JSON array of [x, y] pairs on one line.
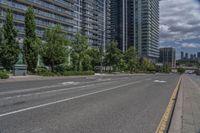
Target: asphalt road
[[94, 104]]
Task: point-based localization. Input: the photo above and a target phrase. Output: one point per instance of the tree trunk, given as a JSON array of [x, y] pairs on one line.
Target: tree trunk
[[80, 65], [52, 67]]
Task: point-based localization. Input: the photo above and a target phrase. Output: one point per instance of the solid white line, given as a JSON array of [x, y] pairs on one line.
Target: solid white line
[[64, 100]]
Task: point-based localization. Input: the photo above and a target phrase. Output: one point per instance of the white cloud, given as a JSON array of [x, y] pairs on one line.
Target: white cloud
[[179, 20], [190, 45]]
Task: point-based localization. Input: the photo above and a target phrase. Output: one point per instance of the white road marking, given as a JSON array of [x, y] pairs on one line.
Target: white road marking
[[159, 81], [39, 93], [48, 87], [69, 83], [57, 90], [64, 100], [31, 89], [51, 91], [103, 79]]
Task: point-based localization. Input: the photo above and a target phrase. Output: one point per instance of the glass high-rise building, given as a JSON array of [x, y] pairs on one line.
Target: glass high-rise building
[[85, 16], [168, 57], [119, 25], [136, 23]]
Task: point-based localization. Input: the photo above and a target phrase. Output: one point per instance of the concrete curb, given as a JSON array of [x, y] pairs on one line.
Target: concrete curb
[[36, 78], [163, 126]]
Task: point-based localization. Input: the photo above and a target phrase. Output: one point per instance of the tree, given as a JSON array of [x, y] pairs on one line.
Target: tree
[[31, 42], [80, 51], [131, 59], [1, 38], [113, 54], [122, 65], [9, 48], [166, 69], [95, 56], [55, 49], [146, 65], [1, 41]]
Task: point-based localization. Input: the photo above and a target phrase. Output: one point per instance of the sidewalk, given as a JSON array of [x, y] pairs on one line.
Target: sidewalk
[[186, 118], [33, 77], [23, 78]]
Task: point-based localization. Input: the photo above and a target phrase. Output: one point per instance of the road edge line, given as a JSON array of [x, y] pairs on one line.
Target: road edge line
[[164, 124]]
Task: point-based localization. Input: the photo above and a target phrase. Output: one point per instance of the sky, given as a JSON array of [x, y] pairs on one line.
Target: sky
[[180, 25]]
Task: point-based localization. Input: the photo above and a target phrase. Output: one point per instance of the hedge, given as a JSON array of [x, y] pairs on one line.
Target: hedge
[[4, 75], [44, 72], [77, 73], [181, 70]]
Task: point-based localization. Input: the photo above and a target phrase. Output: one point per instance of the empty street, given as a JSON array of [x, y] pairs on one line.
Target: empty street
[[93, 104]]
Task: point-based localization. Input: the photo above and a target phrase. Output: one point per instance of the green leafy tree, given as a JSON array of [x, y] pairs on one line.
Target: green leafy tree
[[131, 59], [122, 65], [95, 56], [1, 41], [31, 42], [113, 55], [80, 52], [145, 64], [55, 49], [166, 69], [1, 37], [9, 48]]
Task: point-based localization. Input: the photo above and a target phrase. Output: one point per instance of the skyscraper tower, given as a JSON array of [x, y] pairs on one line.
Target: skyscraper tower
[[119, 25], [182, 55], [89, 17], [93, 20], [186, 56], [136, 23]]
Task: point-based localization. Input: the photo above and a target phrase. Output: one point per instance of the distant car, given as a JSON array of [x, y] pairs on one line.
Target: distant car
[[191, 72]]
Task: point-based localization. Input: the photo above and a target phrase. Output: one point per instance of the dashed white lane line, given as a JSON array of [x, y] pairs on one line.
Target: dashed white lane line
[[51, 86], [56, 90], [64, 100], [51, 91], [31, 89], [46, 92], [159, 81], [69, 83]]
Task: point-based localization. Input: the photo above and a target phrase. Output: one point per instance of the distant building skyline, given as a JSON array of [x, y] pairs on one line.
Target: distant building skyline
[[179, 27], [190, 56]]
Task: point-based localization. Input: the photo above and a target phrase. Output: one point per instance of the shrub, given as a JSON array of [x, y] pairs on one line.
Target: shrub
[[62, 68], [4, 75], [181, 70], [77, 73], [163, 69], [44, 72]]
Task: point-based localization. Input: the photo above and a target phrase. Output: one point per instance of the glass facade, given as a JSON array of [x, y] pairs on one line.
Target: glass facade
[[84, 16], [119, 25], [136, 23], [168, 57]]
